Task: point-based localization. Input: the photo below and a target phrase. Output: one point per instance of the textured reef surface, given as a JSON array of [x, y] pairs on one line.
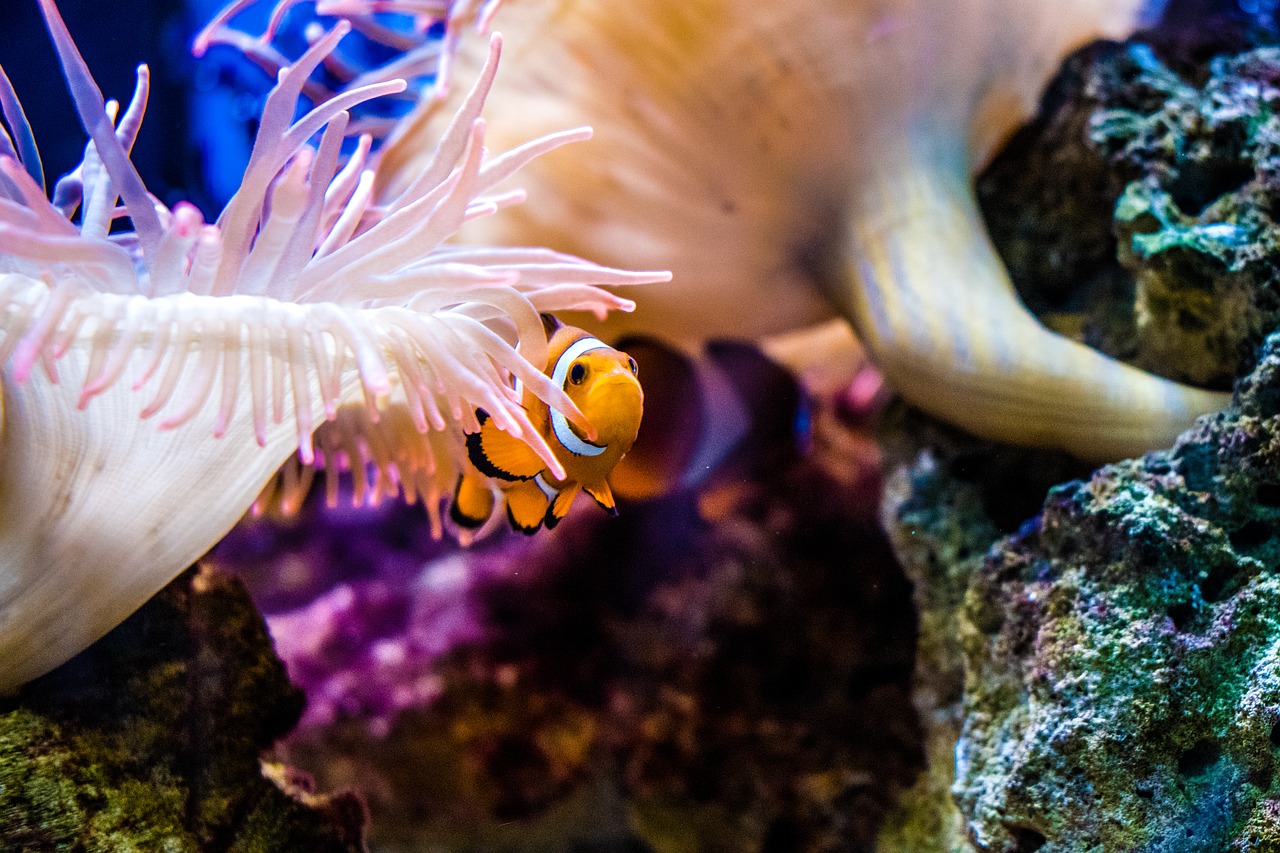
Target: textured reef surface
[[150, 740], [1156, 240], [1106, 672], [1122, 685]]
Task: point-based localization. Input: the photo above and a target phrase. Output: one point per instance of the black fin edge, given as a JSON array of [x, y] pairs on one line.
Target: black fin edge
[[475, 452], [518, 527], [464, 521], [550, 324], [611, 510]]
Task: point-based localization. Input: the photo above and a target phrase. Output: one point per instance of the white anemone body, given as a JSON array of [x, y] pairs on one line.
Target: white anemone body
[[736, 135], [97, 519]]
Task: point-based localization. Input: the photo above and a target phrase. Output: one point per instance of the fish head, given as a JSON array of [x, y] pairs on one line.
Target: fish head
[[604, 385]]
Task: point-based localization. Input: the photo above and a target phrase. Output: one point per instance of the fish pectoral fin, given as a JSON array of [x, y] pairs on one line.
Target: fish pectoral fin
[[560, 506], [527, 506], [499, 454], [603, 495], [472, 502]]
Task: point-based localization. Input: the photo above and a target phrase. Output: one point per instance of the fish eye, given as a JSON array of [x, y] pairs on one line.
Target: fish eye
[[635, 368], [577, 373]]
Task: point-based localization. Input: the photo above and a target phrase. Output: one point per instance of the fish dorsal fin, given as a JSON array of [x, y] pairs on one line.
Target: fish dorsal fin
[[472, 502], [560, 506], [526, 506], [500, 455], [603, 495], [550, 324]]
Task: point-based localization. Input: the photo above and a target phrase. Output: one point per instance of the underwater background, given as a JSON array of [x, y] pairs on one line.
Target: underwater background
[[739, 668]]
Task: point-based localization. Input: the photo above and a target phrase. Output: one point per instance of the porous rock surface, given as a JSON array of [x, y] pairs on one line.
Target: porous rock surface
[[1107, 674], [150, 740], [1122, 684], [1156, 239]]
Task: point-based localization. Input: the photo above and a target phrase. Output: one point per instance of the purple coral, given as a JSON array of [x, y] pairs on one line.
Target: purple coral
[[364, 603]]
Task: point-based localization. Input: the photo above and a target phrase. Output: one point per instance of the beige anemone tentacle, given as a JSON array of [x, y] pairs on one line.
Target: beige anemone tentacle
[[967, 351], [791, 162], [94, 519]]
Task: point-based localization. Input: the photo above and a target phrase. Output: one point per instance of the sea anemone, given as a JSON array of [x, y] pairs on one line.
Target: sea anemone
[[305, 303], [402, 29], [791, 162]]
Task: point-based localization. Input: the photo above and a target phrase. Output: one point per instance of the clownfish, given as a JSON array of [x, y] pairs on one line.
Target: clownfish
[[602, 382]]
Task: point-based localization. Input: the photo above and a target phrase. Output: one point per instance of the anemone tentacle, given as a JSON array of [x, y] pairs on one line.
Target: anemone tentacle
[[308, 321], [416, 53], [199, 298]]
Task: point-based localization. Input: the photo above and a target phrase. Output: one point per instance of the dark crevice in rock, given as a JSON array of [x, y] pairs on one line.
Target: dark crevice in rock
[[1220, 582], [1025, 839], [1182, 614], [1250, 536], [1268, 495], [1200, 184], [1199, 758]]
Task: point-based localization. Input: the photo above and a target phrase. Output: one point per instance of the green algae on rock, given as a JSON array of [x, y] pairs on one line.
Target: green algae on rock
[[1122, 684], [1197, 230], [948, 501], [1181, 160], [1156, 241], [939, 533], [150, 739]]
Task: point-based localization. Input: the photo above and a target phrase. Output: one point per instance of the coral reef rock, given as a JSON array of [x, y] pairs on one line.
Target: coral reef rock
[[1122, 686], [150, 740], [1108, 670], [1156, 240], [949, 499]]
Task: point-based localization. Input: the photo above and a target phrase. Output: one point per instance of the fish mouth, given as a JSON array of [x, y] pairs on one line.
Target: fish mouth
[[618, 389], [614, 405]]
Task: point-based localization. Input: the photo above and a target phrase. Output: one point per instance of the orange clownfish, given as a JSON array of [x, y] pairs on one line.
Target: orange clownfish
[[602, 383]]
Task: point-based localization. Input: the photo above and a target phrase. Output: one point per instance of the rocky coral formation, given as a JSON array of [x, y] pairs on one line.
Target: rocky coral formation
[[1122, 688], [950, 498], [150, 740], [1197, 228], [1156, 241], [1118, 645]]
